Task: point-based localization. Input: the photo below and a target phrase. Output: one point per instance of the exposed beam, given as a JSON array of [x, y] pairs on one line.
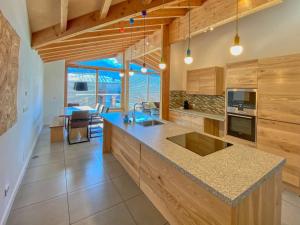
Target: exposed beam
[[79, 25], [185, 4], [64, 4], [95, 41], [105, 5], [92, 57], [104, 45], [74, 65], [109, 33], [165, 13], [146, 2]]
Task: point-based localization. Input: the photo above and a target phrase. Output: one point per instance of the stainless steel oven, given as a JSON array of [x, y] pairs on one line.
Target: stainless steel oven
[[241, 113], [241, 101], [241, 126]]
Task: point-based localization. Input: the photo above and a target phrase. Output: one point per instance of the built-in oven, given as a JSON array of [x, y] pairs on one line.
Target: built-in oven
[[241, 126], [241, 113], [241, 101]]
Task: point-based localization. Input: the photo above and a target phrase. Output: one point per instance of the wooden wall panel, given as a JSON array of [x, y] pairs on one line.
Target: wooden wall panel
[[9, 69]]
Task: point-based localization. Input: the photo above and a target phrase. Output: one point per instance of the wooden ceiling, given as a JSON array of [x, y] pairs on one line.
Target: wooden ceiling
[[80, 29]]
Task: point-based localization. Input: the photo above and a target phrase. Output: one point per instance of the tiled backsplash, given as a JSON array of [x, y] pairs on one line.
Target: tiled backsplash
[[203, 103]]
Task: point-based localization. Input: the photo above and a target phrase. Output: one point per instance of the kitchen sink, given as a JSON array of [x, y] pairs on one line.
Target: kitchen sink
[[148, 123]]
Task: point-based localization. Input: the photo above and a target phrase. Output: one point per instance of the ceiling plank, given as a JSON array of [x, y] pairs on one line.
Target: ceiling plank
[[108, 33], [106, 44], [117, 13], [165, 13], [104, 8], [62, 45], [64, 5]]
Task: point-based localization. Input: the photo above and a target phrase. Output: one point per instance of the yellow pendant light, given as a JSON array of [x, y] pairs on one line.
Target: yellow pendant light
[[236, 49], [188, 59]]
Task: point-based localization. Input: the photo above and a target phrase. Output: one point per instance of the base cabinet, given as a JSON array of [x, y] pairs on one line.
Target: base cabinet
[[282, 139], [181, 201], [126, 149]]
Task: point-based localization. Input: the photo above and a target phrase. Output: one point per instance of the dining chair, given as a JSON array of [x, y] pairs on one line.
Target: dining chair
[[79, 119], [96, 122]]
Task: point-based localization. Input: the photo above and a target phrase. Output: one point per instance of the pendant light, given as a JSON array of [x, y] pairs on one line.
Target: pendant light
[[162, 65], [131, 72], [144, 69], [188, 59], [236, 49], [121, 74]]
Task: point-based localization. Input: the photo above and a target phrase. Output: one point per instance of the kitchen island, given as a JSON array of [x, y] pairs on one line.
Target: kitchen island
[[238, 185]]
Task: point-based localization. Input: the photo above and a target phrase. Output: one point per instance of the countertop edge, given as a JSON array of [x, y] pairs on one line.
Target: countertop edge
[[218, 194]]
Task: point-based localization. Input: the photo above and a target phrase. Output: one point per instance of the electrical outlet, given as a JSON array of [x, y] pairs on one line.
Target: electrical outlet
[[6, 190]]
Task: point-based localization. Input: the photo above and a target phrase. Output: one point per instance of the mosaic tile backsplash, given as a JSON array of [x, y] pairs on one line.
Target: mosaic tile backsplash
[[203, 103]]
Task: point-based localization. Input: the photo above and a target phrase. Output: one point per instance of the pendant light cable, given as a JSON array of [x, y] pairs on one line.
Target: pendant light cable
[[237, 17], [189, 42], [144, 38]]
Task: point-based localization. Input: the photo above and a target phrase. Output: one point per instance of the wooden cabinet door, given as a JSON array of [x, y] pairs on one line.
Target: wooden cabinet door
[[282, 139], [127, 151], [279, 89], [208, 81], [242, 75]]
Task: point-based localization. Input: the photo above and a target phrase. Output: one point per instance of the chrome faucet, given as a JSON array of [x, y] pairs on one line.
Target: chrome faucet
[[133, 114]]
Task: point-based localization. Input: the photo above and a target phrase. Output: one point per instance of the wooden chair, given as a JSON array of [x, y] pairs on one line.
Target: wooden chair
[[79, 119]]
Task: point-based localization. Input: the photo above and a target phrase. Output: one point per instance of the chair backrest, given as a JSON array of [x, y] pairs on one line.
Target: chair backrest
[[73, 104], [79, 119], [101, 109], [106, 110]]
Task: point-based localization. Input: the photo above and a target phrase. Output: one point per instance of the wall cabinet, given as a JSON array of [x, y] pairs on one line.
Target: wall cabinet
[[279, 89], [242, 74], [127, 150], [282, 139], [207, 81]]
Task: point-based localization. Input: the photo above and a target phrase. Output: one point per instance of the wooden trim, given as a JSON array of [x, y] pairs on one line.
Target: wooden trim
[[79, 25], [66, 86], [165, 74], [104, 8], [63, 15], [93, 67], [97, 85]]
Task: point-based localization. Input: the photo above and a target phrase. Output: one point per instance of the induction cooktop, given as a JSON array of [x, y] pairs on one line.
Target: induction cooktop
[[198, 143]]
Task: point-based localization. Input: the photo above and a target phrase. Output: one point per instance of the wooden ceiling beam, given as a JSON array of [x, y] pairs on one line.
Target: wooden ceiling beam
[[109, 33], [64, 5], [74, 55], [95, 41], [185, 4], [92, 57], [104, 8], [164, 13], [85, 23], [90, 46]]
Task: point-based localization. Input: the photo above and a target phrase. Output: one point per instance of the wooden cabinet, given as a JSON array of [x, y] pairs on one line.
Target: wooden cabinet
[[242, 74], [127, 150], [182, 201], [279, 89], [194, 122], [207, 81], [282, 139]]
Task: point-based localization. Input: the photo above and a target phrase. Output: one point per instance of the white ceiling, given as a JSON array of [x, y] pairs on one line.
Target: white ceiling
[[46, 13]]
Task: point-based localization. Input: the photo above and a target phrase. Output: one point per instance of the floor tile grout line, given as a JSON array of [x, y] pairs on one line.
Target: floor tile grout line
[[66, 182]]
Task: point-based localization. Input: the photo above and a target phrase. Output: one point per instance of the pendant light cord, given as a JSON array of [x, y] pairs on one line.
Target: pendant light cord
[[145, 37], [189, 42], [237, 17]]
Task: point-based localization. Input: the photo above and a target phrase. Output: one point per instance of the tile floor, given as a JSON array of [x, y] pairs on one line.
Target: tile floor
[[78, 185]]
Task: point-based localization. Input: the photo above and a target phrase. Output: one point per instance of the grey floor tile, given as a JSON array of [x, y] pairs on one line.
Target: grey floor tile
[[144, 212], [40, 191], [50, 212], [84, 203], [117, 215], [114, 169], [290, 214], [48, 148], [44, 159], [85, 177], [126, 187], [44, 172], [81, 163], [291, 198]]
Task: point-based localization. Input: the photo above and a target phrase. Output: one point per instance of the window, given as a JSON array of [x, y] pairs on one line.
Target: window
[[144, 88], [81, 86], [109, 89]]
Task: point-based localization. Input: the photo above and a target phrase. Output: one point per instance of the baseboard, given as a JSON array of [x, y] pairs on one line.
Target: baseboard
[[19, 181]]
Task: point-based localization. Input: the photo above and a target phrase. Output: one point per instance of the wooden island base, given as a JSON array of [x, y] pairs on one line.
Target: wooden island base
[[181, 200]]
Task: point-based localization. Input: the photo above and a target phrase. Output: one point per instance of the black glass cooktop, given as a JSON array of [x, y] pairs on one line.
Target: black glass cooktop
[[198, 143]]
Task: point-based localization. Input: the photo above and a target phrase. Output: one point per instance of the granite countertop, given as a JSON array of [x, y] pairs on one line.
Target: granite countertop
[[218, 117], [230, 174]]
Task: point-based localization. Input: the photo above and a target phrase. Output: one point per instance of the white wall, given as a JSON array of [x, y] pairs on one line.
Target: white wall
[[54, 75], [17, 143], [271, 32]]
